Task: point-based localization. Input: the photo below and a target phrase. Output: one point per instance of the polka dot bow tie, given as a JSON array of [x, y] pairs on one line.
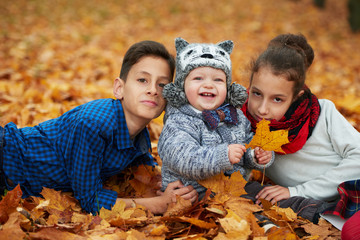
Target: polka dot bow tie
[[226, 114]]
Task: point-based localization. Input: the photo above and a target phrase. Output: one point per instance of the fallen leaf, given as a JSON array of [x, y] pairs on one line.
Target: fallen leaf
[[242, 207], [117, 210], [9, 203], [11, 230], [178, 208], [269, 141], [221, 184], [233, 223]]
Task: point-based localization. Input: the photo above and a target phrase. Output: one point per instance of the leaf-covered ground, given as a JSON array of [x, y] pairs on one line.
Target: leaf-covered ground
[[58, 54]]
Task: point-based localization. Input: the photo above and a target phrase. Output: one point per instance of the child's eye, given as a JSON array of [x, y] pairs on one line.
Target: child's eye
[[197, 78], [219, 80], [142, 80], [277, 100], [256, 93], [162, 85]]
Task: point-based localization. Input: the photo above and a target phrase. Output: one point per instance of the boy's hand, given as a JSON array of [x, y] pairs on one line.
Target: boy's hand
[[177, 188], [262, 157], [236, 152], [273, 194]]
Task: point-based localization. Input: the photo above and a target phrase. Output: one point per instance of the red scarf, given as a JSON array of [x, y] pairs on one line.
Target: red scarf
[[300, 119]]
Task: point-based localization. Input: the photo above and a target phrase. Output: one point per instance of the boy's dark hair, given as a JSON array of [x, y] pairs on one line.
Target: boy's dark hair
[[288, 55], [144, 49]]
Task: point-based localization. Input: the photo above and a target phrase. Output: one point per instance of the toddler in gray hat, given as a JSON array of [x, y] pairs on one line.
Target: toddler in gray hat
[[204, 131]]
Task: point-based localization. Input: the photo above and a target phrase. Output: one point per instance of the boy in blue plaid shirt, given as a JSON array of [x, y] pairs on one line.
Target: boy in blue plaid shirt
[[79, 150]]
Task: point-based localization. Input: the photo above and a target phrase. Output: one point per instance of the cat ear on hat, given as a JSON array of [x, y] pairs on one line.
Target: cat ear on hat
[[180, 44], [227, 45]]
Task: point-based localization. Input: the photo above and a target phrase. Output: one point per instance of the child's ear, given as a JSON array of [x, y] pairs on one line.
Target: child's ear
[[300, 94], [118, 88]]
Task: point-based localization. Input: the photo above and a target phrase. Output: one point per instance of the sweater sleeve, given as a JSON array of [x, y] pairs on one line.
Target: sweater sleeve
[[345, 141], [181, 150]]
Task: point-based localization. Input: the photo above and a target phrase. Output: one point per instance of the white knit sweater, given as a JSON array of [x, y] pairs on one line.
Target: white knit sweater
[[330, 156]]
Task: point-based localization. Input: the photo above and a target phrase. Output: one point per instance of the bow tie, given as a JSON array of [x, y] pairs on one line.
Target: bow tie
[[226, 114]]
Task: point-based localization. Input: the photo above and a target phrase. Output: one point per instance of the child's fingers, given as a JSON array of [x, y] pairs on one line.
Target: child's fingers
[[159, 193], [242, 147], [175, 185], [192, 195]]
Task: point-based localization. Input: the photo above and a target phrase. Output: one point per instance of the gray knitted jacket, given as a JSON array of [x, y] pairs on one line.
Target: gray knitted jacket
[[191, 151]]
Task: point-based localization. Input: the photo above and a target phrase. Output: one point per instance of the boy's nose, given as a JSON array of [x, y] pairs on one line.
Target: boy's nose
[[152, 89]]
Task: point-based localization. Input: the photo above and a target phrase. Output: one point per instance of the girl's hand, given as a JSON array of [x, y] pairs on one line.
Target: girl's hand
[[262, 157], [273, 194], [236, 152]]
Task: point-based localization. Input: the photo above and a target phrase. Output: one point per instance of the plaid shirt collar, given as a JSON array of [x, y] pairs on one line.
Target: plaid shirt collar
[[123, 140]]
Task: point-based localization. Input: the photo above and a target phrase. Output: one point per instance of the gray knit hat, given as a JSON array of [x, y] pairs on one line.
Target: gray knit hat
[[191, 56]]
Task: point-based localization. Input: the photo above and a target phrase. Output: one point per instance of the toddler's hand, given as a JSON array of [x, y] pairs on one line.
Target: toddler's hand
[[262, 157], [236, 151]]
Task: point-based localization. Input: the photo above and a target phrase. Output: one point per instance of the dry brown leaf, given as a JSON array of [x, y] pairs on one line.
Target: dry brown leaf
[[197, 222], [155, 229], [269, 141], [55, 234], [178, 208], [221, 184], [9, 203], [118, 210], [242, 207], [11, 230], [318, 230], [257, 231], [282, 234], [235, 225], [58, 200], [287, 214], [146, 181]]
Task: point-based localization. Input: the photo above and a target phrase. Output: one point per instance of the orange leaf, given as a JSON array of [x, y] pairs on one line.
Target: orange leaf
[[9, 203], [282, 234], [58, 200], [117, 210], [269, 141], [196, 222], [221, 184], [242, 207], [178, 208], [232, 222], [11, 229]]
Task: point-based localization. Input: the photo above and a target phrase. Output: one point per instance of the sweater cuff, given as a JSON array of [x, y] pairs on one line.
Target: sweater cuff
[[292, 191], [223, 156]]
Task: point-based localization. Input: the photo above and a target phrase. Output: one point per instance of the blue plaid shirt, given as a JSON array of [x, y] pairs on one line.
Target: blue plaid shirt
[[75, 152]]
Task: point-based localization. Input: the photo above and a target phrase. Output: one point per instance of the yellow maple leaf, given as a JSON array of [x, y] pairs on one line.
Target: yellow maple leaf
[[269, 141], [221, 184], [117, 210], [234, 225], [242, 207], [286, 213]]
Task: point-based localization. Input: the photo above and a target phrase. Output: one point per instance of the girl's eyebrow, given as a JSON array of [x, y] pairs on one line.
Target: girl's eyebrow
[[275, 95], [255, 88]]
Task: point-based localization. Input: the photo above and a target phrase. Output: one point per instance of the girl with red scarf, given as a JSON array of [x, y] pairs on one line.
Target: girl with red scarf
[[323, 149]]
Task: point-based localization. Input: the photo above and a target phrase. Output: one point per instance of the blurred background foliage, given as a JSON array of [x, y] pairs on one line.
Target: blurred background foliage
[[57, 54]]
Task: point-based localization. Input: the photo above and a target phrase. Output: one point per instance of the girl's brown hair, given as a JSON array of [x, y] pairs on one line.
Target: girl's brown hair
[[287, 55]]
